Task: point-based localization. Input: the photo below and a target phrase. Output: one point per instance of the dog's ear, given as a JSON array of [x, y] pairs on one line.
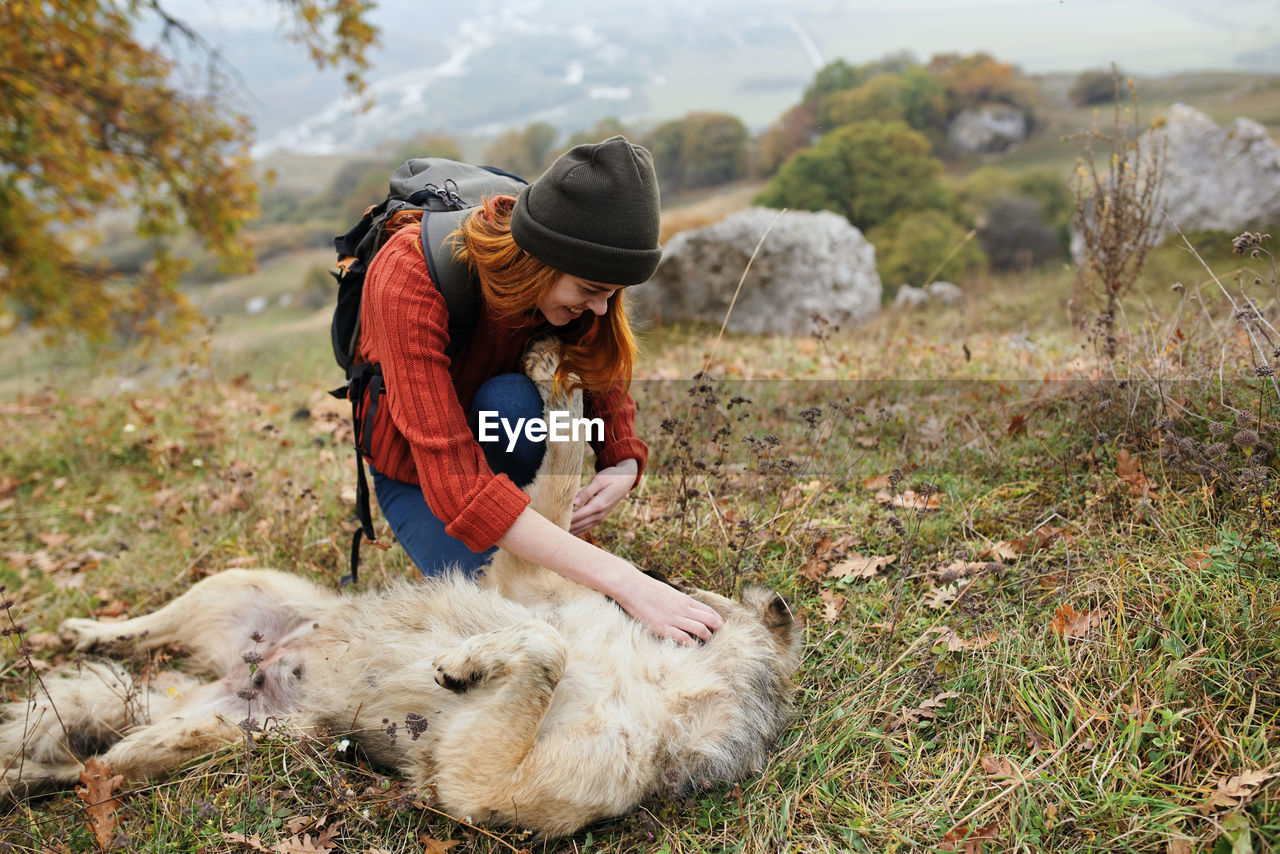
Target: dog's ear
[[777, 617]]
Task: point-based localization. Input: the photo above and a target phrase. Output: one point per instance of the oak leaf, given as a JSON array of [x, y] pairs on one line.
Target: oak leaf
[[832, 605], [1069, 622], [436, 846], [966, 841], [301, 845], [101, 806], [1001, 767], [1001, 550], [254, 842], [1129, 469], [1236, 791], [923, 712], [909, 499], [860, 566]]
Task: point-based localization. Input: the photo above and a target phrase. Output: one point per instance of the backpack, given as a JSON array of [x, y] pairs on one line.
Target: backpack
[[445, 191]]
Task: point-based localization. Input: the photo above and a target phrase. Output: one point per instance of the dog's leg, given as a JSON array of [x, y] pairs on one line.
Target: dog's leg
[[217, 619], [75, 713], [507, 678], [161, 748]]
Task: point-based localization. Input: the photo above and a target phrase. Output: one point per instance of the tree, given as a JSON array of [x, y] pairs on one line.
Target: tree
[[831, 78], [91, 120], [917, 247], [700, 150], [867, 172], [527, 152]]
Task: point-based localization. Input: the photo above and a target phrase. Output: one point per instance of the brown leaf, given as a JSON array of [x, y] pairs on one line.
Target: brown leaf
[[1017, 425], [876, 482], [1040, 538], [967, 841], [832, 605], [53, 540], [955, 643], [1178, 845], [814, 569], [1129, 469], [1069, 622], [436, 846], [911, 500], [254, 842], [301, 845], [1233, 792], [924, 711], [1198, 559], [101, 806], [942, 596], [1001, 550], [1001, 767], [860, 566]]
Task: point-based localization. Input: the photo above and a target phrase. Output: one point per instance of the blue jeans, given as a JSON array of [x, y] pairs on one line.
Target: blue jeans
[[420, 531]]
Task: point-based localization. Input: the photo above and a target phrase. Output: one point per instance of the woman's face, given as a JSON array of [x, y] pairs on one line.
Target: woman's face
[[570, 296]]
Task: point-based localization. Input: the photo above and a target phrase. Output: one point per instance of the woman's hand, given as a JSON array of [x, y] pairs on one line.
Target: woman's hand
[[666, 611], [598, 498]]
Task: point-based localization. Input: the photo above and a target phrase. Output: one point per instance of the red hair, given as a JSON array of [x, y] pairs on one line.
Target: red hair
[[601, 351]]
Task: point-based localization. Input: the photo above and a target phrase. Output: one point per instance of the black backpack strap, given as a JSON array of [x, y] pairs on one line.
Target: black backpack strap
[[365, 377], [452, 279]]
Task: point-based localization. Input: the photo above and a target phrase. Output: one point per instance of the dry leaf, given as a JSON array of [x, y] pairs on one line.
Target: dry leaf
[[924, 711], [254, 842], [1001, 767], [876, 482], [955, 643], [967, 841], [1236, 791], [943, 596], [436, 846], [860, 566], [832, 605], [301, 845], [1129, 469], [1001, 550], [1069, 622], [960, 569], [911, 500], [1197, 560], [101, 805], [54, 541], [1017, 425], [1178, 845]]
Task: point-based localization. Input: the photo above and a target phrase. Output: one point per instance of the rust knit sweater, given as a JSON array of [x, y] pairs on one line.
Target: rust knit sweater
[[420, 430]]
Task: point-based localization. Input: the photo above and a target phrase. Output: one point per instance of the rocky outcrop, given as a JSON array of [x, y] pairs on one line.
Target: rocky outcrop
[[1215, 178], [809, 263], [987, 128], [1224, 179]]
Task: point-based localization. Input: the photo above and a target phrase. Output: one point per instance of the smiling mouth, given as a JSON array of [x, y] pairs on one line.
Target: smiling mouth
[[574, 311]]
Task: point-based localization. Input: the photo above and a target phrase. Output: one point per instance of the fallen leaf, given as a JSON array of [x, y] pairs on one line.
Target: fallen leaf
[[1069, 622], [955, 643], [1233, 792], [1040, 538], [254, 842], [1129, 469], [876, 482], [1001, 550], [1001, 767], [832, 605], [53, 541], [101, 806], [923, 712], [436, 846], [911, 500], [960, 569], [860, 566], [1178, 845], [1017, 425], [301, 845], [943, 596], [966, 841], [1197, 560]]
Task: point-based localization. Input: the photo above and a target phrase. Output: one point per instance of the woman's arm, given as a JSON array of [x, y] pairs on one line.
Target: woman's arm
[[664, 610]]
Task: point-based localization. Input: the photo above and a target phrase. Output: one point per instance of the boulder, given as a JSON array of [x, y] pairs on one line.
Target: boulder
[[810, 263], [943, 293], [987, 128], [1215, 178], [1223, 179]]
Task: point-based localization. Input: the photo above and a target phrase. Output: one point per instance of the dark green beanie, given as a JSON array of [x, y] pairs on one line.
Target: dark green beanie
[[594, 214]]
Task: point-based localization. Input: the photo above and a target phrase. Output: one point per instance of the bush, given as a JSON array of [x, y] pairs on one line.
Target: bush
[[1094, 87], [867, 172], [699, 150], [1015, 237], [918, 247]]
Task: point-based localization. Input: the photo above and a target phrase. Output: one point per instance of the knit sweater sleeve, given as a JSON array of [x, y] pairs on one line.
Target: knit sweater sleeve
[[617, 410], [407, 321]]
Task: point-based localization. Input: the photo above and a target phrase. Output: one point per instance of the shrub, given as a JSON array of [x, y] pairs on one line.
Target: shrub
[[1015, 237], [699, 150], [1093, 87], [867, 172], [917, 247]]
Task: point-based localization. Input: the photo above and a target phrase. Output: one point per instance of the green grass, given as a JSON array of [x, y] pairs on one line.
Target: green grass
[[921, 716]]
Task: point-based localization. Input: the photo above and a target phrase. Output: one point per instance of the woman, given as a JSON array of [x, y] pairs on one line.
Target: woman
[[552, 260]]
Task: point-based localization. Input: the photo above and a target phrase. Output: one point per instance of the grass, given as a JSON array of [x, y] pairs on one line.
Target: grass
[[1069, 653]]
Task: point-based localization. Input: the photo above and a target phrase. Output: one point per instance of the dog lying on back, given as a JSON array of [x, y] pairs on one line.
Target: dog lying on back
[[526, 700]]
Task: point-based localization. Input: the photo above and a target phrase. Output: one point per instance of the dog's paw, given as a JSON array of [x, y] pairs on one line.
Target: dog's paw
[[458, 672], [541, 360], [82, 634]]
